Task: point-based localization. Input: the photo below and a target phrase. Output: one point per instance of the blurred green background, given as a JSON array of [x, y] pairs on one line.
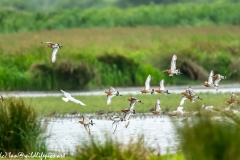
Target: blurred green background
[[116, 42]]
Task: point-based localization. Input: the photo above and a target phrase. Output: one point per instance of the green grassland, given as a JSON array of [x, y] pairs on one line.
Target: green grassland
[[46, 105], [98, 57]]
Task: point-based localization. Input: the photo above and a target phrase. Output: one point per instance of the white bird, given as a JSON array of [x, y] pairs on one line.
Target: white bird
[[147, 86], [116, 120], [173, 69], [68, 97], [55, 47], [162, 88], [209, 83], [217, 78]]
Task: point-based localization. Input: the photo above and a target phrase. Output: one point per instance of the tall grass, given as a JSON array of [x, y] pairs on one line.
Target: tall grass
[[206, 138], [20, 128], [112, 149]]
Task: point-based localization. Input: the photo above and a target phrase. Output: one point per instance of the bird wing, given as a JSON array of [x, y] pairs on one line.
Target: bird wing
[[157, 105], [173, 62], [147, 82], [86, 118], [54, 54], [190, 91], [87, 128], [210, 78], [182, 100], [111, 89], [216, 82], [49, 43], [66, 94], [132, 105], [109, 98], [233, 97], [127, 115], [162, 85], [114, 126], [77, 101]]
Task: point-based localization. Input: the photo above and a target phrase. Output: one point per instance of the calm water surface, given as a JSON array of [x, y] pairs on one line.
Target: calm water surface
[[158, 132]]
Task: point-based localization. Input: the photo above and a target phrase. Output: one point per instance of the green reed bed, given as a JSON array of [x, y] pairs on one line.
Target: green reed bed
[[20, 128], [98, 57], [46, 105]]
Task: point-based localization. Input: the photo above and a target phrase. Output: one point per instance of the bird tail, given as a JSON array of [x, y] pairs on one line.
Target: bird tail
[[65, 99], [166, 92], [92, 123]]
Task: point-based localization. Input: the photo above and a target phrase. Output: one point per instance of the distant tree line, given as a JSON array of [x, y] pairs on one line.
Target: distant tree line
[[53, 5]]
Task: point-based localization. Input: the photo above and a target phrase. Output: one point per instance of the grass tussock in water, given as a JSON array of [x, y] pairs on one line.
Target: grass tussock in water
[[211, 138], [20, 128]]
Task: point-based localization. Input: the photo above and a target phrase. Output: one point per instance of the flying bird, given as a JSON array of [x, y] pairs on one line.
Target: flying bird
[[147, 86], [157, 109], [209, 83], [217, 78], [116, 120], [68, 97], [86, 122], [173, 69], [55, 47], [162, 88], [112, 91]]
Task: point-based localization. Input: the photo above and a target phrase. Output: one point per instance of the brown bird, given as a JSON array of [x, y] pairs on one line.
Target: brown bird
[[147, 86]]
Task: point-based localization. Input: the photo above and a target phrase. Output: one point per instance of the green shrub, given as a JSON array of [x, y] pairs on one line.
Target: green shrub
[[211, 139], [112, 149], [20, 128]]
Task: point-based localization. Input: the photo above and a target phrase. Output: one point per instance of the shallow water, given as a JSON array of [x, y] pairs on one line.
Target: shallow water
[[158, 132], [223, 88]]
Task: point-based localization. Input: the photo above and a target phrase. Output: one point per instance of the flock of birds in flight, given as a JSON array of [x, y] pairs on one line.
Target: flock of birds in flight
[[213, 80]]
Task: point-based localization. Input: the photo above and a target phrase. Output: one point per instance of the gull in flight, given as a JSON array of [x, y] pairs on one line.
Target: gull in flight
[[116, 120], [173, 69], [147, 86], [55, 47], [86, 122], [162, 88], [68, 97]]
